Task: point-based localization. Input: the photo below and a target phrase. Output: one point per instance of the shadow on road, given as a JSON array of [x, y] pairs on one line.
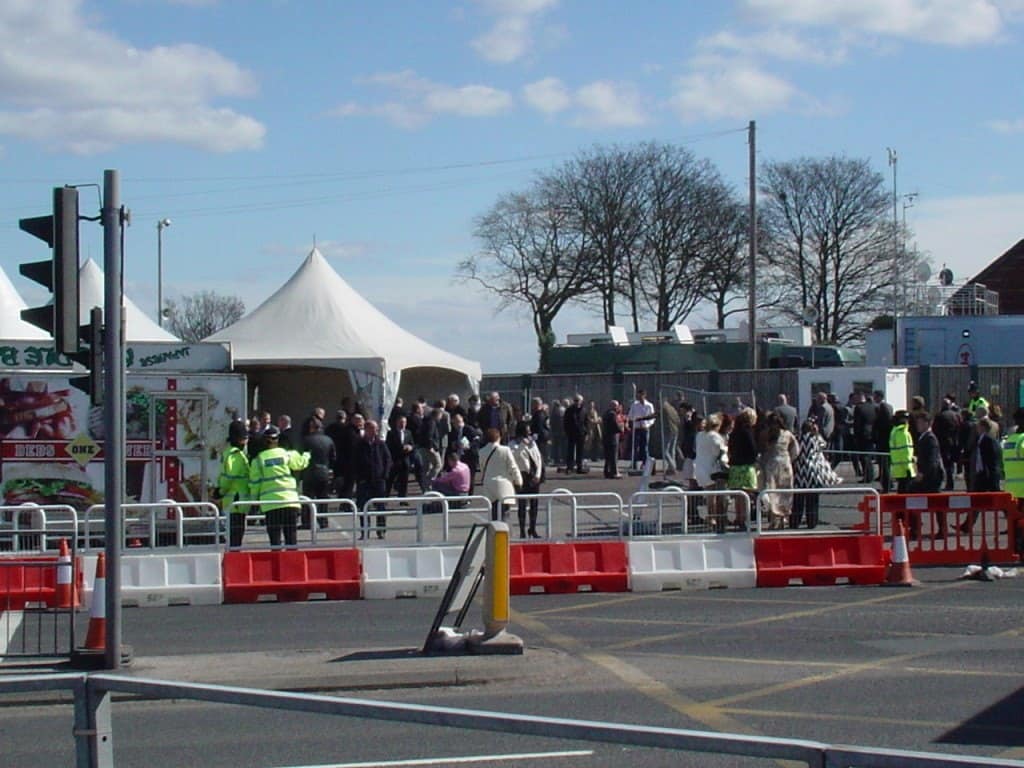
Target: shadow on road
[[381, 655], [999, 725]]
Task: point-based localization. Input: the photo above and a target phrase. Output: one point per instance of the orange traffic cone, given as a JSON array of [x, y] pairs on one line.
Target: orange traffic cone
[[96, 639], [66, 593], [899, 574]]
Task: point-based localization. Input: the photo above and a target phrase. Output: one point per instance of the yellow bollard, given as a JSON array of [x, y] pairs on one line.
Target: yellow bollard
[[496, 579]]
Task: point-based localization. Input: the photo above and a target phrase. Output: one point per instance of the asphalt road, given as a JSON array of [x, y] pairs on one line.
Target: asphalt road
[[933, 668]]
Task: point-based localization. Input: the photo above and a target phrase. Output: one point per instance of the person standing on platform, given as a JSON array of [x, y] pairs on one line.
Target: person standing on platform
[[575, 423], [901, 452], [499, 473], [641, 419], [271, 480], [233, 482], [316, 481], [882, 428], [373, 466], [611, 428], [401, 446]]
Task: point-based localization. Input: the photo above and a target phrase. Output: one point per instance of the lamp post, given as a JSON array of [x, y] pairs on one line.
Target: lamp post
[[893, 159], [160, 226]]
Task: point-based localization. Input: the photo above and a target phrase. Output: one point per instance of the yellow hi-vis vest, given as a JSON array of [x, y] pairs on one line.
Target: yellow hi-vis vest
[[233, 482], [976, 403], [1013, 464], [271, 479], [901, 452]]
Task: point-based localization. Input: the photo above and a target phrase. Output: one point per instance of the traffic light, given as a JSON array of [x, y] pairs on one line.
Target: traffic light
[[90, 354], [60, 273]]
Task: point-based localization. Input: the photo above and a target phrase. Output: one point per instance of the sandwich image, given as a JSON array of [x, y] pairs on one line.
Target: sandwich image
[[48, 483]]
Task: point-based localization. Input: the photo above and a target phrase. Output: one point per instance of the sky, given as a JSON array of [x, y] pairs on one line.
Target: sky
[[382, 131]]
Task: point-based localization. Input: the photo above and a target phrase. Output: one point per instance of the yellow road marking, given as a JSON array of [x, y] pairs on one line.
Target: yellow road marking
[[821, 611]]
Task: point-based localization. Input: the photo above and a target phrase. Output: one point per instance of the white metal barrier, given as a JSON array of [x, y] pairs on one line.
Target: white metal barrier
[[673, 511], [591, 513], [31, 527], [331, 510], [855, 490], [452, 513], [159, 524]]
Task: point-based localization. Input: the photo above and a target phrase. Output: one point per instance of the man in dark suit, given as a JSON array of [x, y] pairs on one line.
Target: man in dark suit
[[372, 467], [864, 414], [575, 424], [610, 429], [929, 472], [947, 428], [351, 436], [316, 479], [401, 446], [464, 441], [540, 427], [883, 426]]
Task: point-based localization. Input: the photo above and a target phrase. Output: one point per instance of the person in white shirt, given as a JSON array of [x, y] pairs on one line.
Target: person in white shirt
[[641, 419]]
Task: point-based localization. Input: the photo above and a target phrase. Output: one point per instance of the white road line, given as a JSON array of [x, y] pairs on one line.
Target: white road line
[[10, 622], [454, 760]]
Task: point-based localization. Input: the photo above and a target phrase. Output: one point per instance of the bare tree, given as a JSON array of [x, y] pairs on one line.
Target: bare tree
[[829, 242], [727, 273], [685, 202], [534, 252], [196, 316], [603, 187]]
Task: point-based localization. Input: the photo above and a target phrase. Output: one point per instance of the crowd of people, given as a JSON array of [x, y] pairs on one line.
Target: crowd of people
[[492, 446], [444, 447]]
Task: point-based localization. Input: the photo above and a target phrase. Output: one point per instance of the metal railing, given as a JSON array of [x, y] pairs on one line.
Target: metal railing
[[674, 499], [29, 627], [763, 496], [94, 727], [36, 527], [164, 523]]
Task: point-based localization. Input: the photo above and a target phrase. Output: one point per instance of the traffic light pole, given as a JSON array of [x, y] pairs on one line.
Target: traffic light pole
[[113, 411]]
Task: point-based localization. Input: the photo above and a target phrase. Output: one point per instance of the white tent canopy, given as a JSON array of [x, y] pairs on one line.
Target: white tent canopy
[[137, 324], [11, 324], [318, 321]]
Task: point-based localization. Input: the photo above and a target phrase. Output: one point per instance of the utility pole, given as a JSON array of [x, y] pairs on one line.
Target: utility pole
[[752, 257], [113, 411], [895, 260]]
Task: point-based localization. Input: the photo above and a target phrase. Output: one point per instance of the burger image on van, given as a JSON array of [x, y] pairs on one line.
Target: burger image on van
[[48, 483]]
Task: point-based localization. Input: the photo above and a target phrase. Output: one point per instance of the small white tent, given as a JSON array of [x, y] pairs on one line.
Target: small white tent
[[317, 339], [137, 325], [11, 325]]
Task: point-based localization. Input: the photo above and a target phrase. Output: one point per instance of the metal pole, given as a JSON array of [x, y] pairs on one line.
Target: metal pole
[[752, 258], [160, 273], [895, 262], [113, 411]]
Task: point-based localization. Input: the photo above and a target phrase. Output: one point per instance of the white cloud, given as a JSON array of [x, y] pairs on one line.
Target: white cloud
[[943, 22], [720, 88], [510, 37], [604, 103], [776, 43], [421, 99], [1007, 126], [75, 86], [549, 95], [468, 100]]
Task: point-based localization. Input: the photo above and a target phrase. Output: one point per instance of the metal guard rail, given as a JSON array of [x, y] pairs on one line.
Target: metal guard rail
[[93, 731]]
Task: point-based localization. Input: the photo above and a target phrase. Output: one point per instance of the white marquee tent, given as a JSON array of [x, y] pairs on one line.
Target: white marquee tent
[[11, 325], [317, 340], [137, 324]]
